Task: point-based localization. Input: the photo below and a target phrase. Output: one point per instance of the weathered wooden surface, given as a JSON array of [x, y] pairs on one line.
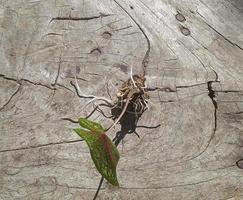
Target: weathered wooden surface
[[198, 100]]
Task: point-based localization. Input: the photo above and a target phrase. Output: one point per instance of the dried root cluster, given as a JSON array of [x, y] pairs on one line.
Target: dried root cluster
[[132, 97], [138, 100]]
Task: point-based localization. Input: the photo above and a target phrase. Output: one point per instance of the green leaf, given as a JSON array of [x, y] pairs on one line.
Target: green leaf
[[86, 135], [90, 125], [103, 152]]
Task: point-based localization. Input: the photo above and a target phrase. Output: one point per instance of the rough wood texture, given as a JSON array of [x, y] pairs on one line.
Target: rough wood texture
[[191, 53]]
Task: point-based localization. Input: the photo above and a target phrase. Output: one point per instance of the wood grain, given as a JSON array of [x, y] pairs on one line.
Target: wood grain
[[194, 66]]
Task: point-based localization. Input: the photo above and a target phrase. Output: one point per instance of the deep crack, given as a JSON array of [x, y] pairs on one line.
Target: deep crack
[[40, 84], [70, 18], [164, 89], [212, 96], [26, 80]]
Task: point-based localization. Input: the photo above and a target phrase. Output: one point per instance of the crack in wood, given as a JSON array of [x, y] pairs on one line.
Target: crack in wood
[[123, 28], [229, 91], [211, 94], [225, 38], [11, 97], [146, 56], [64, 87], [206, 83], [41, 145], [199, 42], [234, 113], [197, 57], [53, 34], [40, 84], [70, 18], [9, 78], [26, 80], [188, 86], [164, 89], [19, 82]]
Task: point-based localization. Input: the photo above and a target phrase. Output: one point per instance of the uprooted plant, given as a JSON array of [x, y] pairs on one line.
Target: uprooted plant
[[131, 98], [131, 101]]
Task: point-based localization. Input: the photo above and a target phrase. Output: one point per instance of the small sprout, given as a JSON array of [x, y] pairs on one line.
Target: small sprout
[[103, 152]]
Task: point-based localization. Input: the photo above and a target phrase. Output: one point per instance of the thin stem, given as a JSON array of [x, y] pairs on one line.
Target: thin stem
[[98, 189], [131, 76], [120, 116]]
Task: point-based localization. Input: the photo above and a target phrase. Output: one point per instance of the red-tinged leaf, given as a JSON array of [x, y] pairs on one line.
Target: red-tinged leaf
[[106, 156], [90, 125], [103, 152]]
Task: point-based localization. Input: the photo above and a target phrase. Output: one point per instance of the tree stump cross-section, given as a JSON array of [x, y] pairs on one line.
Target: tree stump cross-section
[[191, 53]]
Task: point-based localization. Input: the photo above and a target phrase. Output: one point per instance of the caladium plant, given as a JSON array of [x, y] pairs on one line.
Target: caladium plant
[[103, 151]]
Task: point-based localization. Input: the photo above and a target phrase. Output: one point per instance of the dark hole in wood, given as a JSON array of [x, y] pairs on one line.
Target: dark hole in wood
[[185, 31], [239, 163], [106, 35], [180, 17]]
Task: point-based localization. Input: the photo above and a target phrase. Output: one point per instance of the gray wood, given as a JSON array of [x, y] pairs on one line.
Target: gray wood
[[194, 60]]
